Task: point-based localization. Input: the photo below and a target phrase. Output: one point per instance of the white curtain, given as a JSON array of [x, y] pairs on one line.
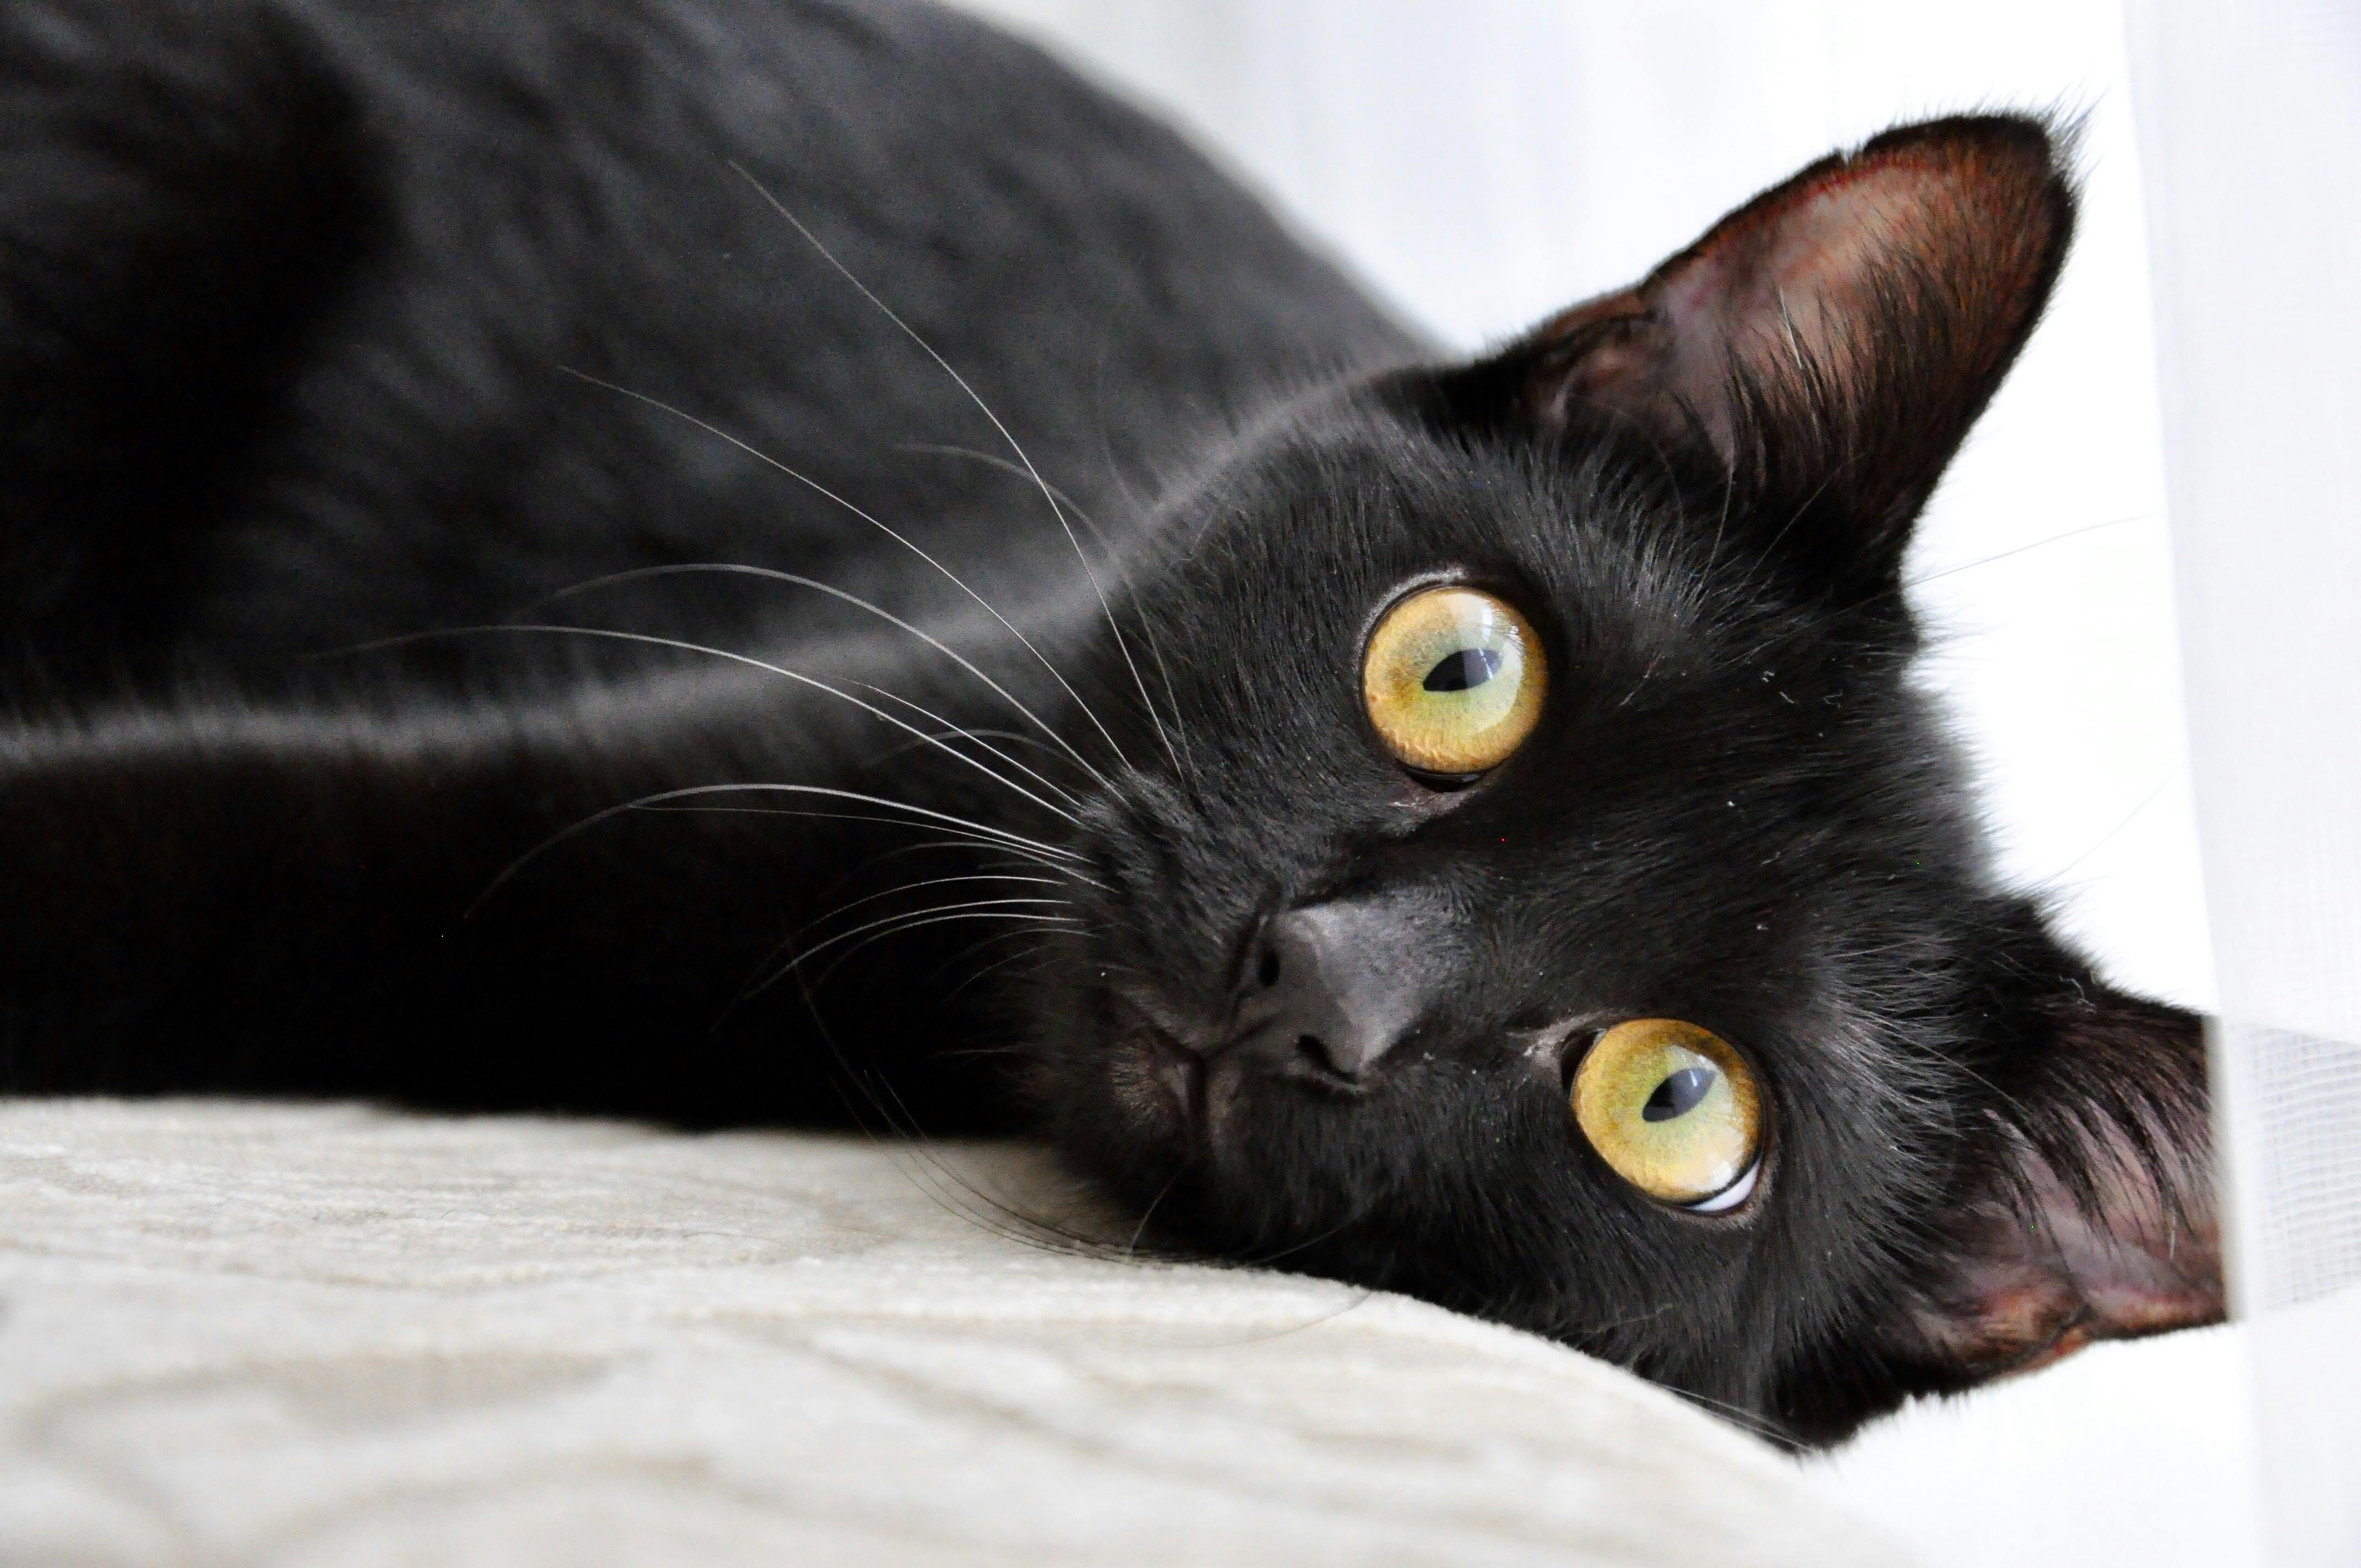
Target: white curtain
[[2250, 118]]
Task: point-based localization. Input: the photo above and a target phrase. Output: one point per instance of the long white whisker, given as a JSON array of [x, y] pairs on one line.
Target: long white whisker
[[2036, 544], [1002, 906], [1028, 1229], [1014, 737], [1186, 760], [914, 886], [1098, 536], [1014, 445], [997, 964], [955, 730], [1023, 858], [993, 459], [967, 841], [806, 480], [1099, 418], [646, 640], [723, 567], [691, 792], [768, 967], [1048, 926]]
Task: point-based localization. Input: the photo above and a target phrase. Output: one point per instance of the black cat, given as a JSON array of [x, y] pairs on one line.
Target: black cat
[[1464, 827]]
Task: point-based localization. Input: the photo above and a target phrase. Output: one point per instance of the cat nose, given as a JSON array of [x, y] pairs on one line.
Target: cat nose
[[1322, 991]]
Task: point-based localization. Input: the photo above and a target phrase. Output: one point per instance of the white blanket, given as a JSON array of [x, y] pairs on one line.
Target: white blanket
[[267, 1334]]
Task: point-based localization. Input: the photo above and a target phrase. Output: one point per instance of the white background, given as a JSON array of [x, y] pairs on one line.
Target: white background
[[1482, 163]]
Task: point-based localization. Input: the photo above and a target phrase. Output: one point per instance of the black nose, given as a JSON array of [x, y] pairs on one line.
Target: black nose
[[1326, 988]]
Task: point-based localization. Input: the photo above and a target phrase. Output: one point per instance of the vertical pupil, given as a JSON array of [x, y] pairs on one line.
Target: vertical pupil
[[1460, 671], [1678, 1094]]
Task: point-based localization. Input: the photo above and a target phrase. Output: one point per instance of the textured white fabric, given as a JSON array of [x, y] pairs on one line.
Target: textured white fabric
[[265, 1335]]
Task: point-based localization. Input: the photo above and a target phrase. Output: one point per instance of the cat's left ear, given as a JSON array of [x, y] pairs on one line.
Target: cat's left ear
[[1825, 348], [2085, 1208]]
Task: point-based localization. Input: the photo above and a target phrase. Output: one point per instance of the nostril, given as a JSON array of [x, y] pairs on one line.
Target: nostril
[[1323, 992]]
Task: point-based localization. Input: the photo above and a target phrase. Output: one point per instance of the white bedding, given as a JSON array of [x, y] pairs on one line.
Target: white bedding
[[268, 1334]]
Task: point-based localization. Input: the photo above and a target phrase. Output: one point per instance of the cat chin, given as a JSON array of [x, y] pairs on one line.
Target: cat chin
[[1176, 1109]]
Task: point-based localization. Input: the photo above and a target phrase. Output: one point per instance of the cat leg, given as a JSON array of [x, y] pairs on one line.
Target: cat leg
[[569, 899], [234, 897]]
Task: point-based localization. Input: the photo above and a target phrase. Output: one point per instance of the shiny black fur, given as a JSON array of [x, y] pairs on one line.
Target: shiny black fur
[[329, 321]]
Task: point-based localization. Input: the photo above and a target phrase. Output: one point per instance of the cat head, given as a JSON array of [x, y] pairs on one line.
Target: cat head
[[1540, 890]]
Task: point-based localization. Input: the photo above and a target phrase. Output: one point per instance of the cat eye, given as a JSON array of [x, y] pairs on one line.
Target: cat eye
[[1673, 1111], [1453, 681]]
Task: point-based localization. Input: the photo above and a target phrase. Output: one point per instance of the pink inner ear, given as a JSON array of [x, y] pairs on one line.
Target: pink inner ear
[[1905, 274], [1799, 268], [1797, 271], [2028, 1290]]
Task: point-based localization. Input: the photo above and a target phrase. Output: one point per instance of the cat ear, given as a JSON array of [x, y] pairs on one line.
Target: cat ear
[[1826, 347], [2091, 1212]]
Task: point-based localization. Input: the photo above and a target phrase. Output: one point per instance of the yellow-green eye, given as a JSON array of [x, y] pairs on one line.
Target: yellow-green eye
[[1674, 1110], [1453, 681]]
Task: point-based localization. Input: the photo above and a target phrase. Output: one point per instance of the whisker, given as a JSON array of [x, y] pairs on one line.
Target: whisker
[[1022, 862], [1265, 1259], [978, 946], [798, 935], [996, 964], [953, 731], [1099, 418], [1793, 634], [1024, 1229], [717, 568], [805, 479], [986, 908], [1368, 1295], [1019, 1227], [645, 639], [1024, 857], [1012, 737], [1014, 445], [993, 459], [1030, 1230], [929, 881], [1131, 1247], [693, 791], [2036, 544], [1737, 1415], [2112, 834], [1098, 536], [1186, 762], [1048, 926]]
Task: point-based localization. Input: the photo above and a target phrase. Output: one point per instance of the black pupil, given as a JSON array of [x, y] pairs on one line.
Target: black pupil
[[1678, 1095], [1458, 672]]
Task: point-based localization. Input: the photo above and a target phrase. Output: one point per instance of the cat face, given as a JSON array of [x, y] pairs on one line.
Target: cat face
[[1543, 892]]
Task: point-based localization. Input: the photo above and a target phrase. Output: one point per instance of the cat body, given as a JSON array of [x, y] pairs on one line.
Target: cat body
[[738, 559], [324, 284]]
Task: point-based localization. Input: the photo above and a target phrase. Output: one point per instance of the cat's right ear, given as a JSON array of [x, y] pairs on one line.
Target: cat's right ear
[[1823, 349]]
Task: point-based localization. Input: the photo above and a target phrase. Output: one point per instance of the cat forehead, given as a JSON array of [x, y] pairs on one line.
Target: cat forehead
[[1676, 696], [1329, 516]]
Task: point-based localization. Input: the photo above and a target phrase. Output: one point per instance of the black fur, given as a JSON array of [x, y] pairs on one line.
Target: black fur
[[329, 321]]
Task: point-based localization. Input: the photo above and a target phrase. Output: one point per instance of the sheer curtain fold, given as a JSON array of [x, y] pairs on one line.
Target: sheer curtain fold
[[2250, 127]]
